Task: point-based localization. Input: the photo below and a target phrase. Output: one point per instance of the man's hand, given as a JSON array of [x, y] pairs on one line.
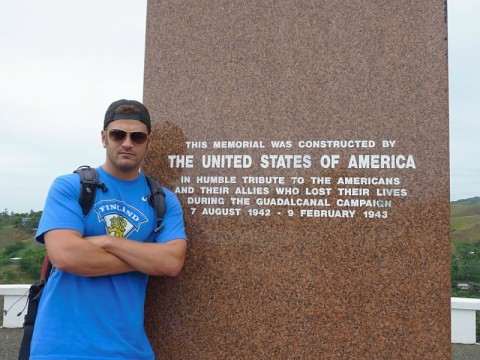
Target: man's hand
[[149, 258], [68, 251], [108, 255]]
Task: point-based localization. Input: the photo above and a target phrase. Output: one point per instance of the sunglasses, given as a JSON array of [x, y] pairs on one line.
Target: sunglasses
[[137, 137]]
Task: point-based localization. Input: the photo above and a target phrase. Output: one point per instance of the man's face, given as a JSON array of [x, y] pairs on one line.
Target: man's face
[[126, 143]]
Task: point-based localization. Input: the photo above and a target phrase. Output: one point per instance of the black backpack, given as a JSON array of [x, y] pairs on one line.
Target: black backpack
[[89, 182]]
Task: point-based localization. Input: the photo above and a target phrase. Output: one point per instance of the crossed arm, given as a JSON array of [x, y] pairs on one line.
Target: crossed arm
[[99, 255]]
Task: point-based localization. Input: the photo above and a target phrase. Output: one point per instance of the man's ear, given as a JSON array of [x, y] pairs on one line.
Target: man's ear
[[104, 138], [149, 141]]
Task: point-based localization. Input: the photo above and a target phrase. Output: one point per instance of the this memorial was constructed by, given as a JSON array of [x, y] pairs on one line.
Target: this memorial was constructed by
[[308, 143]]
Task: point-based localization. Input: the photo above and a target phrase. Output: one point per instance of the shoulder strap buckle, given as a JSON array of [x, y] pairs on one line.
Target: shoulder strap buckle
[[90, 182], [157, 200]]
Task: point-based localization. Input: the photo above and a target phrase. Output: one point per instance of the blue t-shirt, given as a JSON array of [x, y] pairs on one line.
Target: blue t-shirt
[[100, 317]]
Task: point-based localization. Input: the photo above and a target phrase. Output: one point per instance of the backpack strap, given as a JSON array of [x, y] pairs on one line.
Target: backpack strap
[[46, 268], [33, 299], [157, 200], [90, 182]]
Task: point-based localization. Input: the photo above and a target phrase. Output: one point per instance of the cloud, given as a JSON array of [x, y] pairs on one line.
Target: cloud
[[62, 64]]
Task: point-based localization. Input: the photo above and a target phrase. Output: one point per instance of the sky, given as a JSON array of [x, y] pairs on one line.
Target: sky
[[63, 62]]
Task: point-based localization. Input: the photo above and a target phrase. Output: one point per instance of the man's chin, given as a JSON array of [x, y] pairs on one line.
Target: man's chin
[[127, 166]]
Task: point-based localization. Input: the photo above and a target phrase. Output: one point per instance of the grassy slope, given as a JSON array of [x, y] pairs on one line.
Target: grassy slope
[[465, 222], [9, 235]]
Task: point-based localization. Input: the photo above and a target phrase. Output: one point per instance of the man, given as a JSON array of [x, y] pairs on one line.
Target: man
[[93, 304]]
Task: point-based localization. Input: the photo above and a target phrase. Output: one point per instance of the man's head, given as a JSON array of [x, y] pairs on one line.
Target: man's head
[[126, 138], [127, 110]]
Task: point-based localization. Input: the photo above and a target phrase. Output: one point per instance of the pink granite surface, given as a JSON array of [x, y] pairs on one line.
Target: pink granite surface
[[300, 287]]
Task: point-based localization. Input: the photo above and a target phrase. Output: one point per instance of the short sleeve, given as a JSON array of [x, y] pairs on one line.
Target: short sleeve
[[173, 226], [62, 210]]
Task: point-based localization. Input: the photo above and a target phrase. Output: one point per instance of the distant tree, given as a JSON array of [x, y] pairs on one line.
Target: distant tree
[[8, 277], [32, 261], [16, 220], [455, 268], [12, 249]]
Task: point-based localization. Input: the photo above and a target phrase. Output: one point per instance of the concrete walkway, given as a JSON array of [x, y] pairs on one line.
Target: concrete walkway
[[10, 340]]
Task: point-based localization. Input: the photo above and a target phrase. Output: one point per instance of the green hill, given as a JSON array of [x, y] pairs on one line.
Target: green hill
[[465, 222], [466, 207], [21, 256], [465, 246]]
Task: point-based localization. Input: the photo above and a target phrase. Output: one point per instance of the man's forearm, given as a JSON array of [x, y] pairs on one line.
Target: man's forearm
[[149, 258], [69, 251]]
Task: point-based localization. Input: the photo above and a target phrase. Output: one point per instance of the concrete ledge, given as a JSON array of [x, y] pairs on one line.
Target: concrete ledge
[[15, 301], [463, 312], [465, 303], [14, 289]]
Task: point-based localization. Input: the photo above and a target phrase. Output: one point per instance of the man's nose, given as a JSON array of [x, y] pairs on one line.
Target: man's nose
[[127, 142]]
